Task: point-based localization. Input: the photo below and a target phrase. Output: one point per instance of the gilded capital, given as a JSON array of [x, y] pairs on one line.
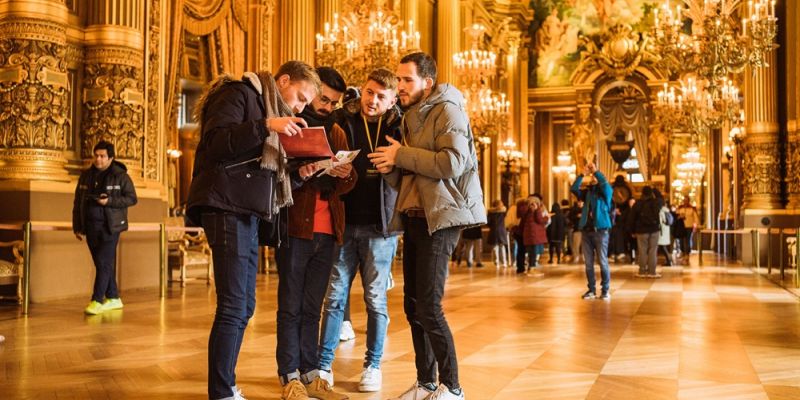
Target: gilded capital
[[761, 166]]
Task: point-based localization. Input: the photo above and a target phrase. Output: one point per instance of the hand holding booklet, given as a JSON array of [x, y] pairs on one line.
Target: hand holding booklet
[[342, 157], [311, 144]]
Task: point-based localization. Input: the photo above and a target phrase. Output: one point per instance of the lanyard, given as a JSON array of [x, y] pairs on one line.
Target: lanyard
[[369, 135], [404, 129]]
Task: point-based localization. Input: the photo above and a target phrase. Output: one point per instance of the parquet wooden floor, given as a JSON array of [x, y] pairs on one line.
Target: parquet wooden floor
[[696, 333]]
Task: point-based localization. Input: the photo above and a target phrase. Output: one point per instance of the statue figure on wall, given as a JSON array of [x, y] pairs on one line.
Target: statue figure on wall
[[583, 140], [548, 36], [657, 146]]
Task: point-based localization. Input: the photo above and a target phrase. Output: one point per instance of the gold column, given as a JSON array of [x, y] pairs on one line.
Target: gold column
[[792, 103], [425, 14], [448, 35], [35, 122], [409, 10], [297, 30], [113, 91], [761, 159], [325, 11]]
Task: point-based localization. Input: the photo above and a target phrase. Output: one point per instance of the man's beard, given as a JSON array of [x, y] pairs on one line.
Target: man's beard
[[413, 100]]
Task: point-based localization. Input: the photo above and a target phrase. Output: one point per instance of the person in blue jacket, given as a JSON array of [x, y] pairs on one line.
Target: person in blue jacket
[[595, 224]]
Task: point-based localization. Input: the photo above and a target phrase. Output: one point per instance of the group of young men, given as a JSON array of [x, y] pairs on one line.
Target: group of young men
[[327, 227]]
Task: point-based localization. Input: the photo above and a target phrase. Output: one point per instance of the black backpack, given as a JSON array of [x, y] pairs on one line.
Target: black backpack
[[650, 214]]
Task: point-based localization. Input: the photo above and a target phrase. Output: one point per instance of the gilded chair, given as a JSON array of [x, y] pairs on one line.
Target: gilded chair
[[11, 271], [187, 249]]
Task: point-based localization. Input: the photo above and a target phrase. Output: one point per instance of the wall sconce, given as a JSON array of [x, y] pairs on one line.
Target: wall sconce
[[174, 153]]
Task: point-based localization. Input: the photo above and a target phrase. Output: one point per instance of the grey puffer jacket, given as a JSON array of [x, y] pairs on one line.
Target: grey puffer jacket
[[439, 150]]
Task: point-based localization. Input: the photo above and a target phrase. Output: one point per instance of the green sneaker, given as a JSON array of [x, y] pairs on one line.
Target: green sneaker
[[94, 308], [112, 304]]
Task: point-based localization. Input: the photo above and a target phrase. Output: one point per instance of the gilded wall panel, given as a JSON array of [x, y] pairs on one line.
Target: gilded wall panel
[[761, 162]]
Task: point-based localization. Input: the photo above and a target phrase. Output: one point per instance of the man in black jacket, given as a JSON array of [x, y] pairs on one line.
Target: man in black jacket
[[645, 223], [100, 212], [240, 179]]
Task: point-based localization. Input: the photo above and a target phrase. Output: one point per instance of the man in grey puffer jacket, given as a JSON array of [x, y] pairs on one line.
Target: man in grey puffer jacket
[[436, 172]]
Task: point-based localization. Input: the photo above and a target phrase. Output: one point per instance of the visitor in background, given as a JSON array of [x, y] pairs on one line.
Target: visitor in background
[[518, 233], [645, 222], [472, 246], [687, 214], [498, 236], [665, 220], [575, 219], [535, 230], [555, 232]]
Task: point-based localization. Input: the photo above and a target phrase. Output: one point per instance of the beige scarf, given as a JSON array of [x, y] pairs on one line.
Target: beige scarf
[[273, 157]]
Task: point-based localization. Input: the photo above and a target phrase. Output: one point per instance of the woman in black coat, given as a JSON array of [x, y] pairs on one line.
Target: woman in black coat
[[556, 232], [498, 235]]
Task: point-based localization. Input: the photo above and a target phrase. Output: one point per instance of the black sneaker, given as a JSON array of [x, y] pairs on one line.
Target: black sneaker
[[589, 295], [605, 295]]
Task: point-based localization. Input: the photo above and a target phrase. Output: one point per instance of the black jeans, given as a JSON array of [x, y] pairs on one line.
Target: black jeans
[[425, 259], [103, 246], [234, 246], [521, 252], [304, 269]]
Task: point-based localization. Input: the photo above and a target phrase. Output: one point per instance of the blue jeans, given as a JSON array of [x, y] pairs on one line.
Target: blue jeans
[[596, 241], [234, 245], [304, 268], [367, 252]]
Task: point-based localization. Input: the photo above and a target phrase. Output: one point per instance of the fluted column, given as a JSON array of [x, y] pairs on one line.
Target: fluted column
[[448, 35], [792, 103], [297, 30], [761, 159], [35, 107], [113, 84], [409, 10], [325, 11]]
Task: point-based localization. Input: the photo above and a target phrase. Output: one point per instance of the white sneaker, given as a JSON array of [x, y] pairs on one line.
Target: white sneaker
[[443, 393], [237, 394], [326, 376], [416, 392], [347, 332], [371, 380]]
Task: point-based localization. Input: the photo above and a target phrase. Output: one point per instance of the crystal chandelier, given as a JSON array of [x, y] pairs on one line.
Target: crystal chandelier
[[716, 44], [564, 167], [693, 108], [362, 40], [690, 173], [476, 69], [508, 153]]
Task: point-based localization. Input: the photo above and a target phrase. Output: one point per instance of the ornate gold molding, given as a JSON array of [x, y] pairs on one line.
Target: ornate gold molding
[[34, 99], [113, 104], [793, 169], [762, 180], [113, 35], [153, 150], [43, 10]]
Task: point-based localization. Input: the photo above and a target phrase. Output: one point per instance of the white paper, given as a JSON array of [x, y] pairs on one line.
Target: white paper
[[342, 157]]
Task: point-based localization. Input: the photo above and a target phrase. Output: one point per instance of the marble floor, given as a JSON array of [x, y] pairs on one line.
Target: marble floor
[[712, 332]]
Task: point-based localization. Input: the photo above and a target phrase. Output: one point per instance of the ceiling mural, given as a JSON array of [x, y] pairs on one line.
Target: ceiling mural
[[559, 26]]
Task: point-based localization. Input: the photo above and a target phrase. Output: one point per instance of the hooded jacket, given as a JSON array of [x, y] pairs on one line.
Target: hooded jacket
[[121, 195], [439, 150], [349, 120]]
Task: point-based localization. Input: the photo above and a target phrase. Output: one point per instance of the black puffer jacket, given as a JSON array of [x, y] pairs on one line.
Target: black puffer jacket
[[226, 172], [121, 195]]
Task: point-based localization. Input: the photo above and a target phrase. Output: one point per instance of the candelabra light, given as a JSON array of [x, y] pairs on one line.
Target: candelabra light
[[717, 44], [476, 68], [564, 167], [690, 173], [694, 108], [362, 40]]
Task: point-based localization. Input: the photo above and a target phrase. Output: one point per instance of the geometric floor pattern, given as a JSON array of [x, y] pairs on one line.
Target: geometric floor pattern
[[696, 333]]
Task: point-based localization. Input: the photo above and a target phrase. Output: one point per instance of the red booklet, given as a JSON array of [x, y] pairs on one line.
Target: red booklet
[[313, 143]]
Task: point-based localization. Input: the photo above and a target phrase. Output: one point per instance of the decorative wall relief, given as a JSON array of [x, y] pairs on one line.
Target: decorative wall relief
[[793, 169], [153, 136], [113, 103], [34, 100], [761, 163]]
